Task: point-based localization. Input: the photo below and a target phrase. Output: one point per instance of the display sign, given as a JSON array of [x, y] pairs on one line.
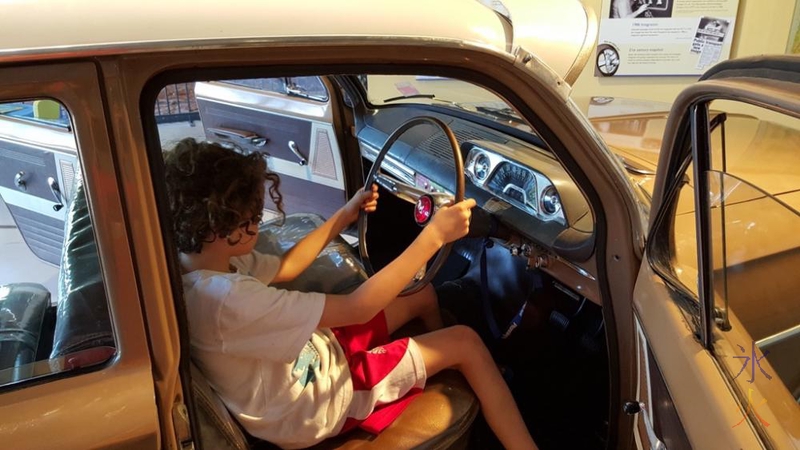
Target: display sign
[[664, 37], [794, 35]]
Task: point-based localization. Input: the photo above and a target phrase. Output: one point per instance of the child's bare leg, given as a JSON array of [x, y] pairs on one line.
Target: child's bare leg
[[459, 347], [423, 305]]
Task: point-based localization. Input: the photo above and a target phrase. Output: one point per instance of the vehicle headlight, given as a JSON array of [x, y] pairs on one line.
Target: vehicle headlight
[[550, 201]]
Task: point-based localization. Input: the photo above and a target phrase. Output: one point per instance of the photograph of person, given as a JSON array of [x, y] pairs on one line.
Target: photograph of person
[[630, 9]]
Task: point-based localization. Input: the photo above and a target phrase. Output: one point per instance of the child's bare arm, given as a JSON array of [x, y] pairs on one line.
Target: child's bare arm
[[299, 257], [449, 224]]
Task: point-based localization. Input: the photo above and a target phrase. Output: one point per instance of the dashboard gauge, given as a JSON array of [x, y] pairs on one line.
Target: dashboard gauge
[[515, 184], [551, 202], [482, 167]]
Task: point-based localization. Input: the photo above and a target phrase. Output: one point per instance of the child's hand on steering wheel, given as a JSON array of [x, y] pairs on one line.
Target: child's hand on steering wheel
[[452, 222], [363, 199]]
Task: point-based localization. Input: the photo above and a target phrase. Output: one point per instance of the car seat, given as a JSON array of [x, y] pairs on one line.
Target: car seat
[[83, 334], [438, 418]]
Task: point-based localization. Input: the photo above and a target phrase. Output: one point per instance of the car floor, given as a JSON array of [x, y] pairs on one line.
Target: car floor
[[555, 362]]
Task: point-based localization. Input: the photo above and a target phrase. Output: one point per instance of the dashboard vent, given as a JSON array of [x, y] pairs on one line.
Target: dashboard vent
[[437, 145]]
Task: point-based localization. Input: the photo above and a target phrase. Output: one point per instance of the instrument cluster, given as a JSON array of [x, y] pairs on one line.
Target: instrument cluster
[[518, 185]]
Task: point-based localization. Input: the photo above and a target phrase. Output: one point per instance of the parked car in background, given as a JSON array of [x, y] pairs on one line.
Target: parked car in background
[[630, 265]]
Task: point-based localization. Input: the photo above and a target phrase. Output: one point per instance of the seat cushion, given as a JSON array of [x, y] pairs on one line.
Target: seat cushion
[[438, 418], [22, 310]]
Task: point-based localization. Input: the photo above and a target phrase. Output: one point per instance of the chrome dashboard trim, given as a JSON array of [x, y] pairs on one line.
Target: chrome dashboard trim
[[577, 269], [392, 165], [542, 183]]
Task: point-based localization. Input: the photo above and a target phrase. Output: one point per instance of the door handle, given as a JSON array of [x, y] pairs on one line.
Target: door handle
[[238, 136], [632, 408], [56, 191], [296, 151]]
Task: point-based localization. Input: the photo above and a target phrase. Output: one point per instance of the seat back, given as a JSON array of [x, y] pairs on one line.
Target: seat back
[[82, 318], [22, 310], [337, 269], [218, 429]]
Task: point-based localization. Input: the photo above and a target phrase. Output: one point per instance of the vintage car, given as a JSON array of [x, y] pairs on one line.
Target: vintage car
[[632, 266]]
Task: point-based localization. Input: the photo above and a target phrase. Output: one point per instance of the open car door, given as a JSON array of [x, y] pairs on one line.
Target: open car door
[[289, 119], [715, 305]]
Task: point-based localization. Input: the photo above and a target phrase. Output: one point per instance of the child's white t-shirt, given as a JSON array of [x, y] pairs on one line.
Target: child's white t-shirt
[[283, 379]]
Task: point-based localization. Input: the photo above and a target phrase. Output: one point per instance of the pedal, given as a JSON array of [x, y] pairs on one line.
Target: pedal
[[559, 321]]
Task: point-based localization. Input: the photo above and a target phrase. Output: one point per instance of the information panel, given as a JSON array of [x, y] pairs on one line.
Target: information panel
[[663, 37]]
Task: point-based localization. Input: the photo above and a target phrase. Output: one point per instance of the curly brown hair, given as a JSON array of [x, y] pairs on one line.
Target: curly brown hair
[[213, 189]]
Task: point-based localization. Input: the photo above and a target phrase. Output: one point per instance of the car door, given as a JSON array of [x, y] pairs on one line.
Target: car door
[[715, 304], [289, 119], [75, 368]]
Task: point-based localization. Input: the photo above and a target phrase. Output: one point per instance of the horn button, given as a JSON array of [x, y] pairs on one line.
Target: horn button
[[423, 210]]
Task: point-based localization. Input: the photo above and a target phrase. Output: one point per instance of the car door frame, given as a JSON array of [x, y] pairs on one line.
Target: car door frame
[[704, 399], [529, 85], [62, 403]]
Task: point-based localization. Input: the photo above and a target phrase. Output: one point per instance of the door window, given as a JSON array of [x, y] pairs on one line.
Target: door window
[[288, 120], [304, 87], [753, 210], [54, 314]]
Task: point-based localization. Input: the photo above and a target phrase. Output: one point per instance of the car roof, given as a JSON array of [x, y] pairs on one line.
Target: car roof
[[57, 29]]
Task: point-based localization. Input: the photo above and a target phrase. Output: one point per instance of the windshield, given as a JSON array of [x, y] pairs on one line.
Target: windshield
[[440, 91]]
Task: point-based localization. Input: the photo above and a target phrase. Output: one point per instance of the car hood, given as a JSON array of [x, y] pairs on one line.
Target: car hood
[[756, 150], [633, 130], [560, 33]]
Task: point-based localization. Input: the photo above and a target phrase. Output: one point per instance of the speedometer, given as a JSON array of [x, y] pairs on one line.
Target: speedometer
[[515, 184]]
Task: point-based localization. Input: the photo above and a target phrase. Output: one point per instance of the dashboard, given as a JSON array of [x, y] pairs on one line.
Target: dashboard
[[517, 181]]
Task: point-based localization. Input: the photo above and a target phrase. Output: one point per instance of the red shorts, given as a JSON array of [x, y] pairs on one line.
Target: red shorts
[[386, 374]]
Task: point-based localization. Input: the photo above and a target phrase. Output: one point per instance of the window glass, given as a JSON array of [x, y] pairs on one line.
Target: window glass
[[39, 111], [294, 134], [754, 196], [441, 91], [305, 87], [53, 309], [754, 203]]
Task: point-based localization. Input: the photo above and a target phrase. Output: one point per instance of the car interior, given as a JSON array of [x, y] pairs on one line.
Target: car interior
[[522, 278]]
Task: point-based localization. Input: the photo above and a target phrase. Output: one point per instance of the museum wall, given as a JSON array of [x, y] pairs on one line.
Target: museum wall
[[762, 26]]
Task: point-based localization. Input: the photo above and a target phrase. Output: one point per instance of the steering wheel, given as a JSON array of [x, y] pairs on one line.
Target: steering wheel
[[425, 203]]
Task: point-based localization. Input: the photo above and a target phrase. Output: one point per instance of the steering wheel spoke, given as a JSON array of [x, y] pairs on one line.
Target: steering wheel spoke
[[410, 193]]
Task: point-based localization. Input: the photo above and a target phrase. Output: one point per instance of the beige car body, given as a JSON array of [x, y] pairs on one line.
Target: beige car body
[[97, 58]]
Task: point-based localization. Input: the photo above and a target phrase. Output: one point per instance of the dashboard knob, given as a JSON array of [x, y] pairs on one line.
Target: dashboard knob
[[551, 202]]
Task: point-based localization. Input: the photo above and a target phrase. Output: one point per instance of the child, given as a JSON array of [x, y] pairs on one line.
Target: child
[[295, 368]]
